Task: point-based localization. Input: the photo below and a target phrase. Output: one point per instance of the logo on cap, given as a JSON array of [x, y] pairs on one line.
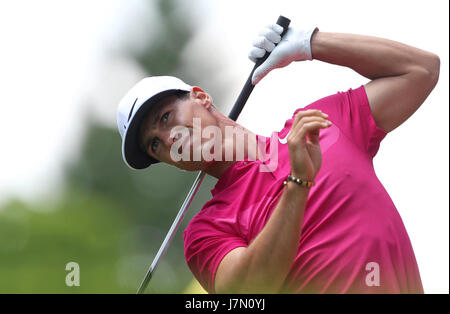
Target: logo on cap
[[131, 111]]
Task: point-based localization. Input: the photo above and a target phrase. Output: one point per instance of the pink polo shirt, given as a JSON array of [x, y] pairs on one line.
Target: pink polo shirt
[[353, 239]]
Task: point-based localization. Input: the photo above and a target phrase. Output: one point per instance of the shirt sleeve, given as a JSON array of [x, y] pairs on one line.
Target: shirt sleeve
[[207, 240], [350, 112]]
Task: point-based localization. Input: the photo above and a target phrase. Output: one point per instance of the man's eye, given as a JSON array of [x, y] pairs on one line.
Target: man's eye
[[165, 117], [155, 144]]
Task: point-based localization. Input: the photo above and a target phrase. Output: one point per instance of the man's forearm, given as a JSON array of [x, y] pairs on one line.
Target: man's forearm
[[269, 257], [371, 57]]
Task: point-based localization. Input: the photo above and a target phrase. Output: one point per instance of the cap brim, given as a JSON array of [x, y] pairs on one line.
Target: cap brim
[[132, 153]]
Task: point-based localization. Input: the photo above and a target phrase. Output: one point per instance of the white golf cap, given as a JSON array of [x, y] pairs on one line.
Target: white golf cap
[[132, 110]]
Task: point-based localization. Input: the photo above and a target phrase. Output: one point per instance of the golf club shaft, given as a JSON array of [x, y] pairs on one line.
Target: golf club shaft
[[234, 114], [176, 223]]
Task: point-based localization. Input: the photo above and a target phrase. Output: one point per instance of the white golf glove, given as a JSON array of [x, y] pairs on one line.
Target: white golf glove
[[294, 46]]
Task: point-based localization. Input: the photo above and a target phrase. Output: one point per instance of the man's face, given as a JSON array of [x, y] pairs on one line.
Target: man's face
[[170, 113]]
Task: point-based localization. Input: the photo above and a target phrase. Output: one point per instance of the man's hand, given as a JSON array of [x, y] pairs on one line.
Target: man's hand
[[294, 46], [262, 266], [304, 153]]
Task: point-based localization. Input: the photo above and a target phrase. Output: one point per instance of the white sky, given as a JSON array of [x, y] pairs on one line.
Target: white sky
[[54, 57]]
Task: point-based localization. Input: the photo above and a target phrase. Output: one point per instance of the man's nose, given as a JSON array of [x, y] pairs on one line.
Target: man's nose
[[169, 139]]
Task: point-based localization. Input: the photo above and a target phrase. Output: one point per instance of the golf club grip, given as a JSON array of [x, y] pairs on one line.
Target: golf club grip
[[248, 87]]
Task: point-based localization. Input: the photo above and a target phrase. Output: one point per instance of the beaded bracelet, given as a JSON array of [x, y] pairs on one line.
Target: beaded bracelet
[[303, 183]]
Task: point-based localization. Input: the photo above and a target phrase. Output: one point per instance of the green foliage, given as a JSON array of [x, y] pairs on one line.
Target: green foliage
[[108, 218], [37, 242]]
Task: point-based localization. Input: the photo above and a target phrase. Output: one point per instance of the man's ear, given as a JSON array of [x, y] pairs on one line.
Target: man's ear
[[202, 96]]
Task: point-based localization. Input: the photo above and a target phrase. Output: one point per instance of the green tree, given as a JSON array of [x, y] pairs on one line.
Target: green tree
[[108, 218]]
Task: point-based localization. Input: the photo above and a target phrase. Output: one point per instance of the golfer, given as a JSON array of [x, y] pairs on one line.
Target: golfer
[[306, 213]]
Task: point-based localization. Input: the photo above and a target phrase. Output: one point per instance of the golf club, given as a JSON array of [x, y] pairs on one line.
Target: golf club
[[234, 114]]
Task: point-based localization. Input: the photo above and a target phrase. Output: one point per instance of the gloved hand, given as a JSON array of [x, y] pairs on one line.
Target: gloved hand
[[294, 46]]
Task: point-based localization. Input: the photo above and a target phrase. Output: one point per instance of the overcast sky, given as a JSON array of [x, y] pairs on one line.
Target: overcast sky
[[55, 55]]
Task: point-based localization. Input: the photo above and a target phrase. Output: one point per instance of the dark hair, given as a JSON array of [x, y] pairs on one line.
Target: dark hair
[[181, 94]]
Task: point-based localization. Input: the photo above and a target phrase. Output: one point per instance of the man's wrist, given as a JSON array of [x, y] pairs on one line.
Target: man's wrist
[[316, 44], [299, 181], [308, 36], [296, 193]]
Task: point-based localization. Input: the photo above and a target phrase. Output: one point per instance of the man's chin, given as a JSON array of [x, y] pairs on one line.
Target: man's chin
[[208, 164], [195, 165]]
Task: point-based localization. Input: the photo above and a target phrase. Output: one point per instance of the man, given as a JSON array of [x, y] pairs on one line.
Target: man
[[318, 222]]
